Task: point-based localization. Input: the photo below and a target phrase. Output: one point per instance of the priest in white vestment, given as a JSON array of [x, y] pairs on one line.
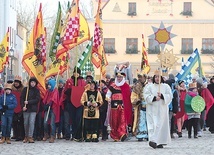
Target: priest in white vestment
[[158, 96]]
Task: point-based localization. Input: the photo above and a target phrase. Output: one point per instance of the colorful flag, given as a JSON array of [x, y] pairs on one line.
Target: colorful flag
[[34, 59], [4, 49], [144, 61], [104, 63], [55, 40], [98, 38], [83, 33], [191, 68]]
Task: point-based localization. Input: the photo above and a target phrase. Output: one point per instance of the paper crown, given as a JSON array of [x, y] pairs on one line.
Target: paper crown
[[8, 86], [156, 72], [17, 78], [193, 85]]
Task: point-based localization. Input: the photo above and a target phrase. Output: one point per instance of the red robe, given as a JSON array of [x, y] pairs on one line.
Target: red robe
[[208, 98], [126, 92], [181, 112], [53, 96]]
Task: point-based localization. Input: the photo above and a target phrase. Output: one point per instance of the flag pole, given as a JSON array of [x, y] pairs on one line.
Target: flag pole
[[26, 97], [6, 66]]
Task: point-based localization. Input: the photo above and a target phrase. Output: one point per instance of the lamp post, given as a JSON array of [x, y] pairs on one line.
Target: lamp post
[[11, 55]]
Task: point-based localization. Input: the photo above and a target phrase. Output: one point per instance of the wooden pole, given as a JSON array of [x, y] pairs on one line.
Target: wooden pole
[[6, 66], [26, 97]]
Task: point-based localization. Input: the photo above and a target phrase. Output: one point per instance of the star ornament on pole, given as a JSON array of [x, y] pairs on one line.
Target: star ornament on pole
[[162, 36]]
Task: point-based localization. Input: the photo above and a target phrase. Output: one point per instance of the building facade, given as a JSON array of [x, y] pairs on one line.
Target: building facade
[[124, 22]]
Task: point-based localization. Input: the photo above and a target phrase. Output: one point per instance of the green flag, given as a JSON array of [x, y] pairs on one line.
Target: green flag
[[55, 40]]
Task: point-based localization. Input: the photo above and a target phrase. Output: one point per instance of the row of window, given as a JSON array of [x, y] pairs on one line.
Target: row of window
[[187, 9], [186, 46]]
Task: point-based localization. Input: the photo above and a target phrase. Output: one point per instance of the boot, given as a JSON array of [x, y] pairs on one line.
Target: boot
[[2, 140], [30, 140], [45, 137], [51, 140], [25, 140], [8, 140], [59, 136]]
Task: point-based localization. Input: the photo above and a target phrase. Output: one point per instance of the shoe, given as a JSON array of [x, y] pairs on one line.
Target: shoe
[[59, 136], [95, 140], [153, 145], [39, 139], [88, 140], [45, 137], [2, 140], [179, 134], [51, 140], [204, 129], [25, 140], [8, 140], [160, 146], [199, 134], [172, 136], [140, 139], [123, 138], [30, 140], [189, 136], [195, 136]]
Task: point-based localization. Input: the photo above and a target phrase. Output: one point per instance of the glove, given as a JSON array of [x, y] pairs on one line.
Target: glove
[[46, 107], [5, 107]]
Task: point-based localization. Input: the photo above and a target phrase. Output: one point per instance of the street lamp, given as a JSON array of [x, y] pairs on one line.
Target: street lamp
[[11, 55]]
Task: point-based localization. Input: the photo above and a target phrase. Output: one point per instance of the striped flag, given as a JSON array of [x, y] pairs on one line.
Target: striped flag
[[4, 49], [145, 68], [190, 68]]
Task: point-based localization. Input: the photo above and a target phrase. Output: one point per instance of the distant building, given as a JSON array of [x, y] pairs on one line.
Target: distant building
[[124, 22]]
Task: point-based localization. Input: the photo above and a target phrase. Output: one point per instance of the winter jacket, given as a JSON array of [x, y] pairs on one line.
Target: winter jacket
[[10, 101]]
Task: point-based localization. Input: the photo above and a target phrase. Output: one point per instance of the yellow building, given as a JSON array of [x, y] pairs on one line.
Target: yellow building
[[124, 22]]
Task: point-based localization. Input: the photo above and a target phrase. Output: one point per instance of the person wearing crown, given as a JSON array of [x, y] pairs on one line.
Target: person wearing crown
[[18, 120], [193, 117], [158, 96], [139, 124], [8, 103], [91, 100], [118, 96]]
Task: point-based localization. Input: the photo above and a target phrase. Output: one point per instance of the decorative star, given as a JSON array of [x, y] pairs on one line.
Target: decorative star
[[162, 36], [167, 59]]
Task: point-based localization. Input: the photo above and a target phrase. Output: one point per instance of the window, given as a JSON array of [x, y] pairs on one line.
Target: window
[[131, 45], [109, 45], [187, 11], [132, 9], [207, 46], [187, 46], [153, 49]]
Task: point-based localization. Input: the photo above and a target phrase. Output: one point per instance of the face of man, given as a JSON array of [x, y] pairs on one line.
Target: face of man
[[32, 83], [119, 78], [92, 86]]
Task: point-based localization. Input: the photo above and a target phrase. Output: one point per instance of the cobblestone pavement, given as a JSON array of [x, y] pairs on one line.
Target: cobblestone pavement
[[179, 146]]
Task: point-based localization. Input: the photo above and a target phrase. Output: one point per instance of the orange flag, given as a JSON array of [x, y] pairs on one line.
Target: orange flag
[[34, 59], [98, 39], [104, 63], [4, 48]]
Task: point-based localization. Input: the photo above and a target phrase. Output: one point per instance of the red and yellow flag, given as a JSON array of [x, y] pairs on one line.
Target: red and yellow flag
[[98, 38], [145, 67], [34, 59], [104, 63], [80, 36], [4, 50]]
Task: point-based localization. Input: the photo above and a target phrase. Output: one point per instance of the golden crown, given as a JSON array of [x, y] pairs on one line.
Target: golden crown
[[193, 85], [18, 78]]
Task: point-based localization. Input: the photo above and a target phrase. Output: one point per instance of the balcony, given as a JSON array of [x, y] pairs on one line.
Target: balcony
[[207, 51], [186, 13]]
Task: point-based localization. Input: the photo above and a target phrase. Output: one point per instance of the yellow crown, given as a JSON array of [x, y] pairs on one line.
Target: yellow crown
[[18, 78], [157, 72], [8, 86], [193, 85]]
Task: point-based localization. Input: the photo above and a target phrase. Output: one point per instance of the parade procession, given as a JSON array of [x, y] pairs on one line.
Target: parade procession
[[76, 87]]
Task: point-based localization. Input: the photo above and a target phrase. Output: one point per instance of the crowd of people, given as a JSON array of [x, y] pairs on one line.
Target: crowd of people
[[153, 109]]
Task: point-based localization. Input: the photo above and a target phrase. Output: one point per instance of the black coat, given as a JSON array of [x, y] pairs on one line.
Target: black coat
[[33, 99]]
